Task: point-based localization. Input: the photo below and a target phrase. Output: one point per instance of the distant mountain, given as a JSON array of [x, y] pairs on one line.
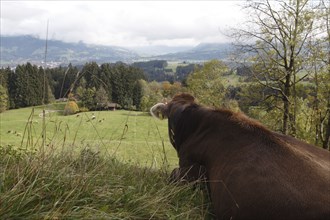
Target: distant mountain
[[157, 50], [21, 49], [202, 52]]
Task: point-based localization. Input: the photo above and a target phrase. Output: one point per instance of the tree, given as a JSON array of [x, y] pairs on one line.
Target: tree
[[3, 99], [151, 94], [4, 74], [176, 87], [116, 84], [19, 88], [138, 94], [206, 83], [25, 87], [280, 30], [61, 80], [101, 98], [12, 89], [166, 89], [123, 82], [105, 79], [90, 72], [88, 98], [182, 72], [326, 131], [320, 72]]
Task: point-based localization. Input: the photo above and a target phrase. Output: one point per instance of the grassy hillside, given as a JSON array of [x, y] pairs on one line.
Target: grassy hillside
[[115, 166]]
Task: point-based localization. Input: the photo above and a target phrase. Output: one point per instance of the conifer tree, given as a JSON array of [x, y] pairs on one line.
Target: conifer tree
[[3, 99]]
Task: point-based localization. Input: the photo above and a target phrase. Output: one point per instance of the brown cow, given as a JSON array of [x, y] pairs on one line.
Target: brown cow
[[252, 172]]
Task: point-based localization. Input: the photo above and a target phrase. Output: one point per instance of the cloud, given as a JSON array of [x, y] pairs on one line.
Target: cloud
[[122, 23]]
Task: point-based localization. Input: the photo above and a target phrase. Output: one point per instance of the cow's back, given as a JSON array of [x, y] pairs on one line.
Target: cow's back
[[288, 180]]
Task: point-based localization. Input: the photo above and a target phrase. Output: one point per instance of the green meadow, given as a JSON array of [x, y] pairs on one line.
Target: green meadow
[[92, 165], [128, 135]]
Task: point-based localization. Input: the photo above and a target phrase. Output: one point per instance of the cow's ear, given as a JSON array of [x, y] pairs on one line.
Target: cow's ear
[[159, 111]]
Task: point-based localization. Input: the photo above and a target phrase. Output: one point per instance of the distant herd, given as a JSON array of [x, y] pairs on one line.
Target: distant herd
[[251, 172]]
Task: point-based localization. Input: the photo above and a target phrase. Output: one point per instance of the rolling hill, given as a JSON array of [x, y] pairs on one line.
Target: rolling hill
[[202, 52]]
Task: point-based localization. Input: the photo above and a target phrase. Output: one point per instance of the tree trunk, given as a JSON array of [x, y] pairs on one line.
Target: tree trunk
[[286, 104], [326, 142], [318, 131], [285, 117], [294, 114]]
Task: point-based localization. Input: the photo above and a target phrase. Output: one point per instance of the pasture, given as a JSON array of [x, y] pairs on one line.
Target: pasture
[[128, 135], [115, 166]]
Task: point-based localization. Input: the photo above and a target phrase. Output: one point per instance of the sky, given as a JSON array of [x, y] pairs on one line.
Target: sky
[[123, 23]]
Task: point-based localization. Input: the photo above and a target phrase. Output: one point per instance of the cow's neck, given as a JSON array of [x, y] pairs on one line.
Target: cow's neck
[[181, 125], [173, 130]]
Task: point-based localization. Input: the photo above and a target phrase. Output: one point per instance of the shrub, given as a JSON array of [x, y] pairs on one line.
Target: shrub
[[83, 109], [71, 108]]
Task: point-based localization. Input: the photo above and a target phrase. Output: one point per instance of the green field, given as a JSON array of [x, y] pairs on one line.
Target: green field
[[128, 135], [174, 64]]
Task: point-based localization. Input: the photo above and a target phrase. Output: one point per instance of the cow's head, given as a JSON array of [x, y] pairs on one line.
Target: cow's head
[[173, 111], [176, 106]]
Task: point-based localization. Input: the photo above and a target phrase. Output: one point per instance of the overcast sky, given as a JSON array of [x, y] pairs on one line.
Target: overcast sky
[[123, 23]]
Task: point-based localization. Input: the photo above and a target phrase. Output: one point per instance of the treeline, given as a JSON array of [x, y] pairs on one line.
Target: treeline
[[29, 85], [94, 86]]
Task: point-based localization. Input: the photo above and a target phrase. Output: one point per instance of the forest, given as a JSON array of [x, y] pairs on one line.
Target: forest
[[282, 78], [92, 85]]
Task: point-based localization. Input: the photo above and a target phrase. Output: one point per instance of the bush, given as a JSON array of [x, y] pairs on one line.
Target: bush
[[71, 108], [83, 109]]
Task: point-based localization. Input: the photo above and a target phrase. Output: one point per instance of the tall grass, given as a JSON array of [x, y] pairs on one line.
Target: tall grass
[[86, 183], [88, 186]]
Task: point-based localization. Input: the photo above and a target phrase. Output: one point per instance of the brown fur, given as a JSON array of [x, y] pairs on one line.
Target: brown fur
[[252, 172]]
